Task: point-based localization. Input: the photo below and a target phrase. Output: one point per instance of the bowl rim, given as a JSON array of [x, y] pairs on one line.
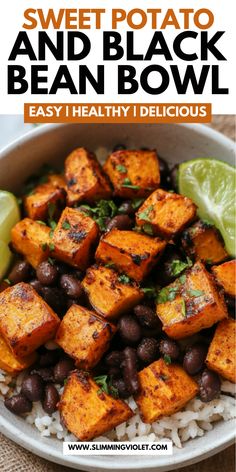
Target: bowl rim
[[95, 463]]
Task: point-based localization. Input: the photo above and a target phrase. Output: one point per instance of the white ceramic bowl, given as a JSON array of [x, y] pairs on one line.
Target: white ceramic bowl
[[51, 143]]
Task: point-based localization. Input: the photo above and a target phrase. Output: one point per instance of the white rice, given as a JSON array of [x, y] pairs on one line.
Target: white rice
[[194, 420]]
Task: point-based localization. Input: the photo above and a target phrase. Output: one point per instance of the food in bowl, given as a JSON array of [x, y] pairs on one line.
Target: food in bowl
[[114, 265]]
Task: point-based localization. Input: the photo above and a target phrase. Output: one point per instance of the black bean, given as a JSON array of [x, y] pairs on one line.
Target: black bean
[[114, 372], [129, 330], [48, 358], [47, 273], [120, 386], [46, 373], [170, 348], [209, 383], [114, 358], [62, 369], [194, 358], [51, 398], [119, 147], [20, 272], [36, 285], [147, 350], [32, 387], [70, 302], [126, 208], [55, 298], [78, 274], [71, 286], [121, 222], [18, 404], [174, 177], [129, 369], [164, 168], [146, 316]]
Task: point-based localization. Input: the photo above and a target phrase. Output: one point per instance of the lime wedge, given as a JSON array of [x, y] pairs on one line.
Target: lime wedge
[[211, 184], [5, 258], [9, 215]]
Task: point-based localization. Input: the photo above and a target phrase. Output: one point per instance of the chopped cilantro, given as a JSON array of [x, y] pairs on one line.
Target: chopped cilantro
[[195, 293], [103, 210], [124, 279], [44, 246], [51, 247], [167, 359], [122, 169], [66, 225], [144, 215], [7, 281], [167, 294], [183, 308], [51, 260], [182, 279], [53, 224], [137, 202], [147, 228], [51, 233], [208, 261], [105, 385], [150, 292], [51, 210], [41, 222], [128, 184], [110, 265], [19, 201], [177, 266]]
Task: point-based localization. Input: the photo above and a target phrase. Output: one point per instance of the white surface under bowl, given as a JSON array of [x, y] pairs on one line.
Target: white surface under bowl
[[51, 143]]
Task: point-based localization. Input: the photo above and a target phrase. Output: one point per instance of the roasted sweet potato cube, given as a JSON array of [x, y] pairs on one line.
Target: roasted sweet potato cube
[[87, 411], [132, 253], [85, 178], [221, 355], [74, 238], [32, 240], [203, 241], [167, 213], [133, 173], [11, 363], [26, 321], [43, 199], [164, 390], [225, 276], [108, 295], [190, 304], [85, 336]]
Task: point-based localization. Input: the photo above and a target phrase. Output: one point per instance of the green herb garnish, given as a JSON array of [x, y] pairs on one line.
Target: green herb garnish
[[177, 266], [195, 293], [51, 210], [137, 202], [44, 246], [124, 279], [51, 246], [40, 222], [66, 225], [147, 228], [182, 279], [122, 169], [128, 184], [167, 294], [7, 281], [167, 359], [105, 385], [51, 260], [144, 215], [183, 308], [103, 210], [110, 265], [150, 292]]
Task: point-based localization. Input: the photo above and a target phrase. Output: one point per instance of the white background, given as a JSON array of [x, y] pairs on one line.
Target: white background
[[11, 21]]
